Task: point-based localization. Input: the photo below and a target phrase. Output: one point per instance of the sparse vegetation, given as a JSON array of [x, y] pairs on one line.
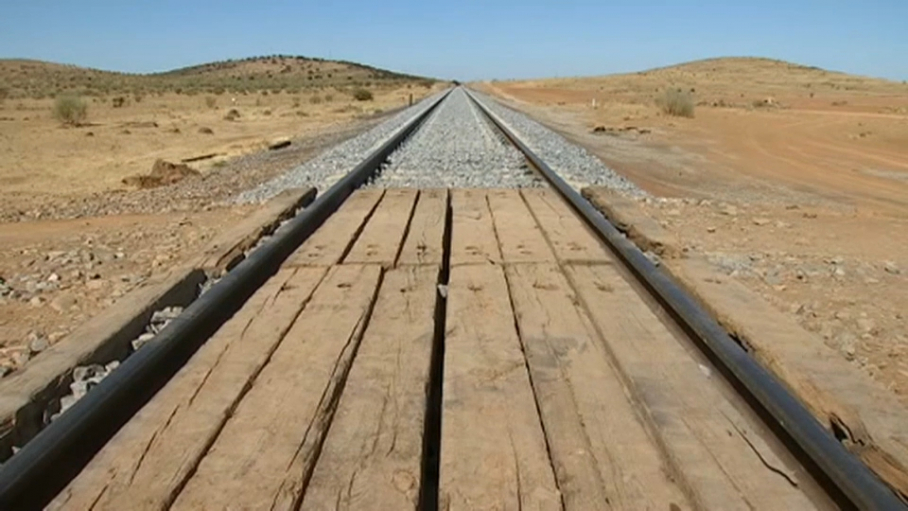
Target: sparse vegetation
[[70, 110], [316, 99], [275, 74], [211, 101], [232, 115], [676, 102], [361, 94]]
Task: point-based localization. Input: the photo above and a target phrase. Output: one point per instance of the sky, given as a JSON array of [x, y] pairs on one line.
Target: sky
[[465, 39]]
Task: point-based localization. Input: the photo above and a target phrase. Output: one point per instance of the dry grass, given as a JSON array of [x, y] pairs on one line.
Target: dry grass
[[362, 95], [676, 102], [70, 110]]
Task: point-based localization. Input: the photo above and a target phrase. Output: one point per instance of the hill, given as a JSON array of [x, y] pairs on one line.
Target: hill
[[37, 79], [729, 79]]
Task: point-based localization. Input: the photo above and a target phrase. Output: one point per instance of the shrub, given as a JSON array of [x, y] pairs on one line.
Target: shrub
[[316, 99], [211, 101], [70, 110], [4, 93], [362, 95], [118, 102], [329, 98], [676, 102]]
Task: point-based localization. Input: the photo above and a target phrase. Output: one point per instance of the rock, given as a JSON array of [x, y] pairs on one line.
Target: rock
[[772, 278], [21, 358], [848, 351], [112, 365], [890, 267], [279, 144], [839, 272], [38, 345], [232, 115], [84, 373], [729, 210], [63, 303], [866, 325], [66, 402], [95, 285], [53, 278], [166, 314], [36, 301], [53, 337], [710, 229], [206, 131], [443, 290], [142, 340], [760, 221], [5, 370], [163, 173], [81, 387]]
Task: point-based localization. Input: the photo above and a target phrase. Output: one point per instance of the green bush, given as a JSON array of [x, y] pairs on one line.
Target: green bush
[[362, 95], [70, 110], [677, 103]]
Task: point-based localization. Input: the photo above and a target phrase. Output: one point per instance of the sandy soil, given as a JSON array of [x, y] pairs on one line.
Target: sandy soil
[[792, 179], [74, 238], [40, 158]]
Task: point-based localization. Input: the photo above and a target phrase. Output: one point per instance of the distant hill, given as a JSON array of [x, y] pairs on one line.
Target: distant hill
[[767, 71], [730, 73], [37, 79]]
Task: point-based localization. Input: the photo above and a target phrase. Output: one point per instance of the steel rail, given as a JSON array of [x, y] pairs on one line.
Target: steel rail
[[860, 484], [34, 475]]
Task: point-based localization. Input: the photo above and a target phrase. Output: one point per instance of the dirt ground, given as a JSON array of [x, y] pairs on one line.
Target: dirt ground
[[74, 238], [42, 161], [793, 180]]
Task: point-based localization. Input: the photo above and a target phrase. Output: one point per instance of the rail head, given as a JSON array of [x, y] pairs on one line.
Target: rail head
[[860, 484]]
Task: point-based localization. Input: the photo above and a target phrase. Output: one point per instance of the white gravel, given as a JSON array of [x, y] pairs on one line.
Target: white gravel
[[329, 167], [573, 163], [457, 148]]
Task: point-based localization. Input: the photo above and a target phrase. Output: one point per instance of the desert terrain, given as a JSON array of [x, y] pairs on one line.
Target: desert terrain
[[791, 179], [81, 222]]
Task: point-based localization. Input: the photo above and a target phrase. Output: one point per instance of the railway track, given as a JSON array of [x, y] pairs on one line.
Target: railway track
[[462, 348]]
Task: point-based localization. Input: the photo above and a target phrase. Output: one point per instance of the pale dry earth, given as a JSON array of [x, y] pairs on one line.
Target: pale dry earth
[[793, 180]]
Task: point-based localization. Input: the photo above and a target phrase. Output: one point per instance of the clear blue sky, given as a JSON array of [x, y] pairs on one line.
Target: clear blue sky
[[466, 39]]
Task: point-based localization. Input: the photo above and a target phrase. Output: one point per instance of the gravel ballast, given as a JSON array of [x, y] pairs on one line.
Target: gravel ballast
[[457, 148], [330, 166], [573, 163]]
